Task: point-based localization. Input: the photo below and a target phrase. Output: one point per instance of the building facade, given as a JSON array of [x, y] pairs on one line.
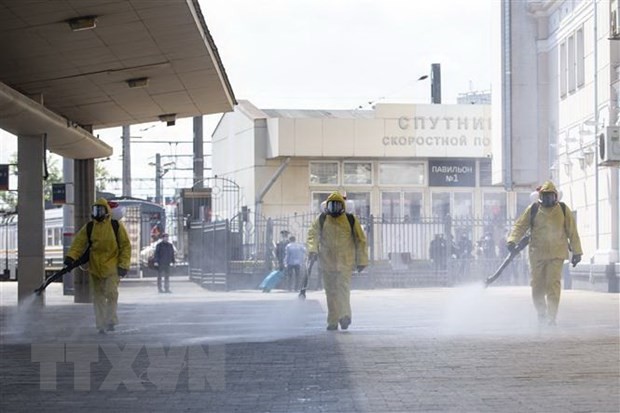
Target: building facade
[[399, 162], [556, 102]]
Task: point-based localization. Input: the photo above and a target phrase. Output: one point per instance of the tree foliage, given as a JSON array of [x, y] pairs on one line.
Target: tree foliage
[[102, 175]]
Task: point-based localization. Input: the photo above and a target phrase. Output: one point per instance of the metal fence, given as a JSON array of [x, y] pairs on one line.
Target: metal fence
[[434, 251]]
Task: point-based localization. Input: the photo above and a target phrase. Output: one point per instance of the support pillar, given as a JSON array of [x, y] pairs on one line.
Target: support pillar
[[68, 225], [31, 221], [84, 197]]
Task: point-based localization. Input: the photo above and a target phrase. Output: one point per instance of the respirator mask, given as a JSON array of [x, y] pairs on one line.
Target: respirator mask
[[334, 208], [548, 199], [99, 213]]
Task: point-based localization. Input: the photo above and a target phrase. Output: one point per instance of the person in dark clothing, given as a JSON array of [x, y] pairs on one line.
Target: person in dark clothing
[[464, 247], [464, 254], [164, 257], [486, 245], [281, 249], [438, 252]]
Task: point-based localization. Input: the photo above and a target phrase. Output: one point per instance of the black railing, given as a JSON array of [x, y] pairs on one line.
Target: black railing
[[403, 253]]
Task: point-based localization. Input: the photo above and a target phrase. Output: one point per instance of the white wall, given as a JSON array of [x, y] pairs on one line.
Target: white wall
[[442, 131], [234, 151]]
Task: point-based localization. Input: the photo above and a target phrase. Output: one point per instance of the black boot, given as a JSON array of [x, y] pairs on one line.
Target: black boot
[[344, 322]]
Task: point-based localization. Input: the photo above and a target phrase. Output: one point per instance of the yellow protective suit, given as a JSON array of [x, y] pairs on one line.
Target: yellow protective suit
[[339, 255], [106, 256], [552, 234]]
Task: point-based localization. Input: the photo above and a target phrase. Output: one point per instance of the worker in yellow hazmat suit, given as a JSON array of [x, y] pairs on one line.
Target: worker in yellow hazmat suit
[[553, 232], [340, 243], [110, 254]]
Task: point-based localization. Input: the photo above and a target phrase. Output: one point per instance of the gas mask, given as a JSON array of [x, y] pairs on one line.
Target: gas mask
[[99, 213], [548, 199], [334, 208]]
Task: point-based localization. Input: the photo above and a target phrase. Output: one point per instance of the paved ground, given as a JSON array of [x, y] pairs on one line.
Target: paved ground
[[425, 350]]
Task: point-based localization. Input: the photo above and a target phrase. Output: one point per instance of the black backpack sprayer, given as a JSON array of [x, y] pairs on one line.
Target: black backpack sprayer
[[304, 284], [66, 269], [518, 248]]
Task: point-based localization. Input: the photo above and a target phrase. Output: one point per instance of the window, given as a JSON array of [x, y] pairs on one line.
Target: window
[[412, 206], [440, 204], [317, 198], [361, 203], [523, 201], [456, 204], [403, 173], [390, 206], [463, 205], [563, 70], [581, 78], [50, 237], [357, 173], [494, 207], [614, 20], [571, 64], [324, 173], [401, 206]]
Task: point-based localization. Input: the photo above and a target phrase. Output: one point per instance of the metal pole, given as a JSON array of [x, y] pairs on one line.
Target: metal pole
[[126, 161], [596, 120], [157, 178], [436, 83], [507, 96], [198, 152], [6, 244]]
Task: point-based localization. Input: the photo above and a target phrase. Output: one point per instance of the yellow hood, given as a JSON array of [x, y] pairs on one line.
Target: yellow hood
[[548, 186], [336, 196]]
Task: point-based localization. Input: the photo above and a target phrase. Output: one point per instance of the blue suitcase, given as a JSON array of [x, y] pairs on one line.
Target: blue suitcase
[[271, 281]]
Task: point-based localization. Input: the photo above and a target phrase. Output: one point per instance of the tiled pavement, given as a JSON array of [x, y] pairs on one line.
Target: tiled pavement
[[417, 350]]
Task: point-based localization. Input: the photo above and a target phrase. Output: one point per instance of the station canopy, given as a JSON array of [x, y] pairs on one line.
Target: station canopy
[[69, 64]]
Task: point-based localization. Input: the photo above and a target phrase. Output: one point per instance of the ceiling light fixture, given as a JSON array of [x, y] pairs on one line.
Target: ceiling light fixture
[[82, 23], [138, 82], [169, 118]]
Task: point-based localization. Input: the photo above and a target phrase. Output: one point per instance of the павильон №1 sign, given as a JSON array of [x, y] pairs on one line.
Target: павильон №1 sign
[[452, 172]]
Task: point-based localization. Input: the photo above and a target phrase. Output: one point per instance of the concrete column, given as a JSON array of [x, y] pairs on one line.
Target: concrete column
[[68, 213], [31, 221], [84, 197]]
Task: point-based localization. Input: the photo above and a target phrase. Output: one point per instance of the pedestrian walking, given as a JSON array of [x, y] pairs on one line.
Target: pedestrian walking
[[110, 255], [338, 240], [553, 233], [293, 259], [164, 258]]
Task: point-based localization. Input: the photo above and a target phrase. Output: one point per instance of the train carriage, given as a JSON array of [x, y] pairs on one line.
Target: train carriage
[[141, 218]]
